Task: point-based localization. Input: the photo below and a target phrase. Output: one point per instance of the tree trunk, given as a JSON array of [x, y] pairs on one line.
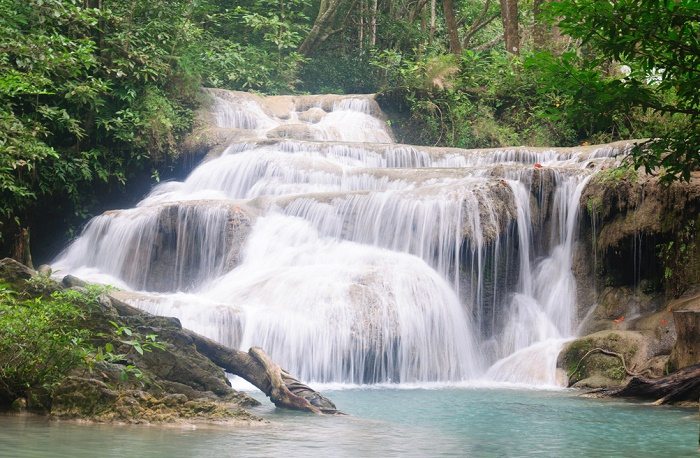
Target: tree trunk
[[509, 16], [375, 5], [451, 22], [539, 30], [686, 351], [433, 8], [682, 385], [361, 35], [256, 367], [21, 251], [328, 13]]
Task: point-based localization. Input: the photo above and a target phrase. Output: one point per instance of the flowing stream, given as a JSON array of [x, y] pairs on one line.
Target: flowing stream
[[352, 259]]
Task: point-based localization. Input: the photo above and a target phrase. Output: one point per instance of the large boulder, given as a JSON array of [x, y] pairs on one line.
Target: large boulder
[[587, 367], [170, 382], [194, 241], [619, 307], [15, 274], [165, 247]]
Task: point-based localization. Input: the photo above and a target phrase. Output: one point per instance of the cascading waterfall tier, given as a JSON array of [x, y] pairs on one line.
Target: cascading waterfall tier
[[353, 259]]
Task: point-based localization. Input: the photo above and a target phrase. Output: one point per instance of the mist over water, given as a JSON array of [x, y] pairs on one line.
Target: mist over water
[[352, 259]]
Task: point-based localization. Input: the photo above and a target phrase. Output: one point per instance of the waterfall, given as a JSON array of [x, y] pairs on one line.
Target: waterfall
[[350, 258]]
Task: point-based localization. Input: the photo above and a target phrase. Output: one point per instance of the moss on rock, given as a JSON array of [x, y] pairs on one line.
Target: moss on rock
[[586, 367]]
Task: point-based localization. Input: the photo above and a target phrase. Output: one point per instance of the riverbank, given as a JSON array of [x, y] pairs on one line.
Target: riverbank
[[104, 364], [392, 422]]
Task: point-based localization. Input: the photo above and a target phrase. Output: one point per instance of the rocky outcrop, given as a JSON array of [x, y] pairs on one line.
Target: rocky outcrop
[[644, 232], [147, 368], [163, 247], [639, 264], [15, 274], [587, 366], [88, 398], [619, 307]]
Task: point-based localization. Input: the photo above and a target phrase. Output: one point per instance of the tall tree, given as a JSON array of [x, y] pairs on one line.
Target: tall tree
[[332, 15], [511, 32], [451, 23]]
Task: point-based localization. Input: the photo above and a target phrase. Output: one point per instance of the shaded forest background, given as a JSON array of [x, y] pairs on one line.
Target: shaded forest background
[[96, 94]]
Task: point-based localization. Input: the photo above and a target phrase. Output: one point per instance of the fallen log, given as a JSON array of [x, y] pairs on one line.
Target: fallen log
[[682, 385], [257, 367]]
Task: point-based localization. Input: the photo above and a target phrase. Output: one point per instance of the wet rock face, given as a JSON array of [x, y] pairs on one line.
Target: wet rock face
[[639, 251], [186, 251], [619, 307], [312, 115], [645, 233], [294, 131]]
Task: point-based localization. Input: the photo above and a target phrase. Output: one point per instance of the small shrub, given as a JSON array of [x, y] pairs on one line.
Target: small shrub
[[40, 342]]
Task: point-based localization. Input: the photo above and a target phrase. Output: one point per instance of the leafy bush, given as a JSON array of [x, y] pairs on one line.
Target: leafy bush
[[40, 342]]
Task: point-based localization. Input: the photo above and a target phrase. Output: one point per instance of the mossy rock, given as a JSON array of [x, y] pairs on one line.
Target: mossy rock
[[87, 398], [601, 368], [15, 275]]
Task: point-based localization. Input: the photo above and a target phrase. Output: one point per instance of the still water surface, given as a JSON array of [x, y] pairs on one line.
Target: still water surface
[[390, 422]]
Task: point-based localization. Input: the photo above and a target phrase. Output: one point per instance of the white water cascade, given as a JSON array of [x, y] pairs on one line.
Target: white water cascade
[[352, 259]]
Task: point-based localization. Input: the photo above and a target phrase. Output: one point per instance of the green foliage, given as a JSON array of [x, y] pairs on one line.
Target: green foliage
[[43, 338], [40, 342], [252, 46], [658, 41], [40, 285], [624, 172], [94, 93], [89, 94], [679, 259], [120, 347], [333, 73], [493, 100]]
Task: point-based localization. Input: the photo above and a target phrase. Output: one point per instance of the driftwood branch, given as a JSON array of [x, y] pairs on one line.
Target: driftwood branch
[[682, 385], [257, 367], [609, 353]]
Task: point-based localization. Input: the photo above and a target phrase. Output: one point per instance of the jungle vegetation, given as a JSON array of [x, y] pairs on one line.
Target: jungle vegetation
[[95, 94]]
